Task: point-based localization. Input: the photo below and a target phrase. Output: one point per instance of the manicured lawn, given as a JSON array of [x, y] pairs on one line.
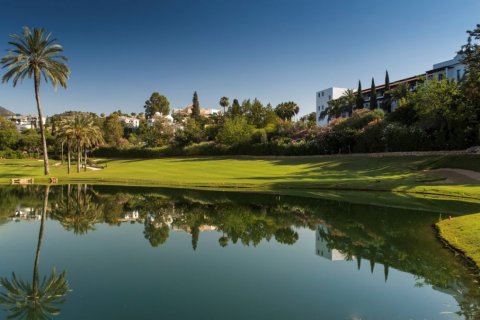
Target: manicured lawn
[[463, 233], [392, 173]]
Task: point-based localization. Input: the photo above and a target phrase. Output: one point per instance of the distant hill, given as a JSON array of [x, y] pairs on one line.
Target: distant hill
[[5, 113]]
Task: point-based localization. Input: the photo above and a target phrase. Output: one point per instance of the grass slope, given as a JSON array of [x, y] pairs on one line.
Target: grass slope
[[399, 173], [463, 233]]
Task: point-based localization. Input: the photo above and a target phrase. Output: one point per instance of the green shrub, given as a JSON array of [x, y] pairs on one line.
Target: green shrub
[[235, 131]]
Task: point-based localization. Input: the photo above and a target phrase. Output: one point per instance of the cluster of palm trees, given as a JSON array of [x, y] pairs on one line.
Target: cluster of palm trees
[[79, 134]]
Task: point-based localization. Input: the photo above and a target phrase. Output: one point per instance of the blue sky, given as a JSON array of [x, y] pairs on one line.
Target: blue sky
[[278, 50]]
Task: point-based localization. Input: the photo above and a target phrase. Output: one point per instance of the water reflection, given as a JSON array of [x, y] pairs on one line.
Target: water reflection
[[379, 238], [38, 299]]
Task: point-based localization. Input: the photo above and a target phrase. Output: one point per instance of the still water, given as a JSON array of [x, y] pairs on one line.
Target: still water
[[138, 253]]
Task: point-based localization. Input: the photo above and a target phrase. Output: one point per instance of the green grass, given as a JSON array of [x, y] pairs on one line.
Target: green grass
[[392, 173], [463, 233]]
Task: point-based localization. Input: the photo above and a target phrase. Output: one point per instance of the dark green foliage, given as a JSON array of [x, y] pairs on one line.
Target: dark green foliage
[[195, 106], [159, 134], [373, 96], [359, 102], [387, 97], [235, 109], [404, 114], [192, 133], [235, 131], [112, 129], [470, 83], [156, 103], [224, 103], [8, 134], [287, 110], [310, 119]]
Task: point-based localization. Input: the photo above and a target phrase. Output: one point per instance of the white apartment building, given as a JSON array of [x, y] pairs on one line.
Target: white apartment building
[[451, 69], [323, 97]]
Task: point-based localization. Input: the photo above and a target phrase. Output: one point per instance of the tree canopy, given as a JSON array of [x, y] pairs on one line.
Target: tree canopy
[[156, 103]]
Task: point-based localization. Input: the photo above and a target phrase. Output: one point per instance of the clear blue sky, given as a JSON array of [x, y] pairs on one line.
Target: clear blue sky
[[121, 51]]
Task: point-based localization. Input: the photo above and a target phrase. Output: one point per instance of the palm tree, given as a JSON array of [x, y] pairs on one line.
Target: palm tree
[[224, 103], [65, 136], [287, 110], [82, 131], [349, 98], [36, 55], [40, 299]]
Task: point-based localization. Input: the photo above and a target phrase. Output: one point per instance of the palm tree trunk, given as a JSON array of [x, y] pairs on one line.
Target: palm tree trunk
[[42, 127], [40, 238], [79, 154], [62, 153], [69, 151], [85, 160]]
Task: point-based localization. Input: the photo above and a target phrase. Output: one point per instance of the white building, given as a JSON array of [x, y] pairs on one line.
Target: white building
[[321, 246], [130, 122], [451, 69], [26, 122], [159, 117], [323, 97]]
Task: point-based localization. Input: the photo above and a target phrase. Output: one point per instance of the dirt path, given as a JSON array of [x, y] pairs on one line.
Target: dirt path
[[457, 176]]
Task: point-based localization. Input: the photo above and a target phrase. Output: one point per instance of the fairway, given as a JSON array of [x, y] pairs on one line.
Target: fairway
[[391, 173]]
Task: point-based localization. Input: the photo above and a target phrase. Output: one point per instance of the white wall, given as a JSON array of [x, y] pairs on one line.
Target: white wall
[[322, 99]]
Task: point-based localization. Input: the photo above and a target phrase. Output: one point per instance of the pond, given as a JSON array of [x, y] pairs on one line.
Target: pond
[[103, 252]]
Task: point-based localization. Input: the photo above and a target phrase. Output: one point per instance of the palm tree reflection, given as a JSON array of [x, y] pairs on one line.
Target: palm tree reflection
[[79, 213], [40, 299]]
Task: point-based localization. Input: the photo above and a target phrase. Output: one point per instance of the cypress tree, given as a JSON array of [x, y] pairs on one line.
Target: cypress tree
[[387, 97], [373, 96], [236, 109], [359, 102], [195, 106]]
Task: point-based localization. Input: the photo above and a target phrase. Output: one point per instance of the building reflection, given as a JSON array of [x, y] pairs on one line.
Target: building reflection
[[322, 248]]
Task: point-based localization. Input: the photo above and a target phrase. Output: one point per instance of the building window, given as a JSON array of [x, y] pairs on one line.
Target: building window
[[322, 93], [323, 107], [329, 97], [458, 75], [440, 77], [318, 95]]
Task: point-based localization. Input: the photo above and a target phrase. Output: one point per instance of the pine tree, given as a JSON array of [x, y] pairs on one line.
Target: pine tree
[[373, 96], [359, 102], [235, 109], [387, 97], [195, 106]]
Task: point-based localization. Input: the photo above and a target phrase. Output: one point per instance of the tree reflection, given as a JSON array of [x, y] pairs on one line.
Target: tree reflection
[[77, 212], [38, 300], [380, 239]]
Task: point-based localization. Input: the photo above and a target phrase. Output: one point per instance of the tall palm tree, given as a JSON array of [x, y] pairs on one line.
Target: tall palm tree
[[39, 299], [34, 54], [349, 98], [224, 103], [65, 136]]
